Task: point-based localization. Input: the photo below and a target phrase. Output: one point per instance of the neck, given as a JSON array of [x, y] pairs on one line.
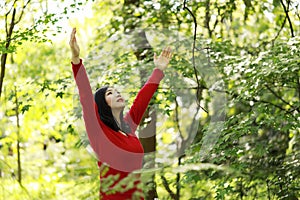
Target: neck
[[116, 114]]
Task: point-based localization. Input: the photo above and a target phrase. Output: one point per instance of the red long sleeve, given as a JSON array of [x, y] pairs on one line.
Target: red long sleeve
[[140, 104], [93, 129]]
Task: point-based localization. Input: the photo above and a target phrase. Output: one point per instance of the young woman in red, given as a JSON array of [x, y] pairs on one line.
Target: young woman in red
[[112, 135]]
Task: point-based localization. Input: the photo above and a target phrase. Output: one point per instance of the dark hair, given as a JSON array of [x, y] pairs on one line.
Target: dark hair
[[105, 112]]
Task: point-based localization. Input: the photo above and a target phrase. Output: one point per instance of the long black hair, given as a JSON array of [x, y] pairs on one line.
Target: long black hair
[[105, 112]]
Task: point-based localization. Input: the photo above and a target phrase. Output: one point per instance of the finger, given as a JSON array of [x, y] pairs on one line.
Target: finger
[[168, 55], [168, 52], [155, 56], [73, 31], [72, 36], [164, 52]]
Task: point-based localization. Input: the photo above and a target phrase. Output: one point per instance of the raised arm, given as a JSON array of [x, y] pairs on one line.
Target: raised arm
[[93, 128], [144, 96]]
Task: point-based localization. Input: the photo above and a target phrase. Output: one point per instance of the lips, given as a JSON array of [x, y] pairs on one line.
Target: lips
[[120, 100]]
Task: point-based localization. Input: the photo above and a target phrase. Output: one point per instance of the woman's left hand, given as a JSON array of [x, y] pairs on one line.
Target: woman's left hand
[[161, 62]]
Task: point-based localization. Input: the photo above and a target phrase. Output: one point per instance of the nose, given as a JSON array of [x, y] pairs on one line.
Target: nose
[[117, 94]]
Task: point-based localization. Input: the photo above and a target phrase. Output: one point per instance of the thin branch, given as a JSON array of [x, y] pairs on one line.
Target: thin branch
[[297, 13], [204, 48], [290, 112], [178, 180], [286, 10], [208, 18], [12, 25], [10, 7], [7, 44], [181, 88], [177, 119], [278, 33], [22, 12], [166, 185], [268, 188], [270, 103], [279, 97], [18, 137], [277, 106], [217, 21], [17, 36], [246, 100], [298, 83], [199, 89], [6, 16]]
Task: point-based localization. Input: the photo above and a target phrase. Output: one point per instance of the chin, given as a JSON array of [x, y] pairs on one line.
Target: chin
[[120, 106]]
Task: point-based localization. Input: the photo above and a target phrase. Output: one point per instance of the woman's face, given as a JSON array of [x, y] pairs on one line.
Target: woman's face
[[114, 99]]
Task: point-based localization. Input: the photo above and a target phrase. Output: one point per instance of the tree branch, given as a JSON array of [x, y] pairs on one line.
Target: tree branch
[[286, 10], [279, 97], [22, 12], [207, 18], [298, 84], [199, 89], [18, 137], [278, 33], [177, 119], [246, 100], [297, 14], [7, 44], [166, 185]]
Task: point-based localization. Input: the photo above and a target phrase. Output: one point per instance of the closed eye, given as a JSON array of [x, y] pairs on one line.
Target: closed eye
[[108, 93]]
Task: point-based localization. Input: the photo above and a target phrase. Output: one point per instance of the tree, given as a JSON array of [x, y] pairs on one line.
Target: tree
[[252, 48], [27, 20]]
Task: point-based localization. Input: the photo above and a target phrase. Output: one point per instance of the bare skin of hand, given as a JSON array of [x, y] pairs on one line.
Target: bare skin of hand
[[161, 62], [74, 47]]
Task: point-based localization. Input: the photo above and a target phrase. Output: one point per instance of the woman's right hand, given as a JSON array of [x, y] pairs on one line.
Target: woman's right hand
[[74, 47], [161, 62]]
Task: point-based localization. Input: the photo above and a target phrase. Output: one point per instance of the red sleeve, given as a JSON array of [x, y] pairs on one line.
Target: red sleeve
[[75, 68], [140, 104], [93, 128]]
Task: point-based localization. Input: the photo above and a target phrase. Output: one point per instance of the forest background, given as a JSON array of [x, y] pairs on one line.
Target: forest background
[[224, 123]]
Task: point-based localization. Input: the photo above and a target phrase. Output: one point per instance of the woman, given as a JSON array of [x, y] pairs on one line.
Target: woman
[[111, 135]]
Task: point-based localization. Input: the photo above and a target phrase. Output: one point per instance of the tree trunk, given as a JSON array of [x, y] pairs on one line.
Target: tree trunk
[[148, 140], [2, 73], [18, 139], [143, 52], [7, 44], [148, 132]]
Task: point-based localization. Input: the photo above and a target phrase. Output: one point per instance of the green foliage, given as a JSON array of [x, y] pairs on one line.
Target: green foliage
[[262, 114], [245, 45]]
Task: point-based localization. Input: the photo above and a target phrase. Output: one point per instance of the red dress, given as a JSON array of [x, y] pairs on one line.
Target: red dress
[[120, 154]]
